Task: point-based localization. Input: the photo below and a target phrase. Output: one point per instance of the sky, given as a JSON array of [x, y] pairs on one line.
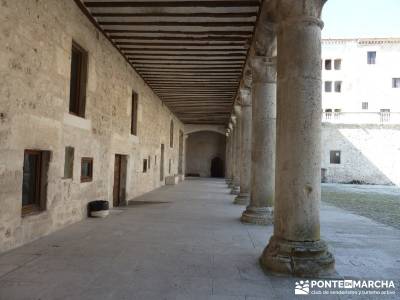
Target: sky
[[361, 18]]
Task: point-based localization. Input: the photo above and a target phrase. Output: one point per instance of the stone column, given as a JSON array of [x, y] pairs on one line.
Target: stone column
[[227, 155], [245, 154], [295, 247], [232, 152], [260, 209], [237, 153]]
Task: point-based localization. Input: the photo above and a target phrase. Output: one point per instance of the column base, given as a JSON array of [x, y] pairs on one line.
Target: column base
[[242, 199], [302, 259], [235, 190], [258, 215]]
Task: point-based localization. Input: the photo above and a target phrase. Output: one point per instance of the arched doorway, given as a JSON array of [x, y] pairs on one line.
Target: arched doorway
[[217, 167]]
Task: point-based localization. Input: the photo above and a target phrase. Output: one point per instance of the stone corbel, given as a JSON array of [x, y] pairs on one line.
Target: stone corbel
[[286, 12], [264, 69], [245, 96]]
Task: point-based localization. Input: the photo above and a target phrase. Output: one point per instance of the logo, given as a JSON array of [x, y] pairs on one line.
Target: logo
[[345, 287], [302, 287]]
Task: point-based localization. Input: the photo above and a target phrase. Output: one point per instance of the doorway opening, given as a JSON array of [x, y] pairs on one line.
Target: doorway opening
[[217, 167], [120, 172], [162, 163]]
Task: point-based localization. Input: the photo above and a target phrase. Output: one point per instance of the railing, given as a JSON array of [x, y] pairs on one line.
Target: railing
[[361, 117]]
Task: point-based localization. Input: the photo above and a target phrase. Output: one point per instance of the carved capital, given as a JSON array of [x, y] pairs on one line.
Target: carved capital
[[247, 76], [287, 12], [245, 96], [233, 120], [264, 69], [237, 109]]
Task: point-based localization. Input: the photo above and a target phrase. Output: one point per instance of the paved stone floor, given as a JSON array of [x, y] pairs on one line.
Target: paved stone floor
[[377, 202], [184, 242]]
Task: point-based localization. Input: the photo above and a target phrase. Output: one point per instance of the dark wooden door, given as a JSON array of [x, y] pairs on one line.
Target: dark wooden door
[[117, 181], [162, 163]]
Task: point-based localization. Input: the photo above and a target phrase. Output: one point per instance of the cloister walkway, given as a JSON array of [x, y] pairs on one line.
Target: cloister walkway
[[183, 242]]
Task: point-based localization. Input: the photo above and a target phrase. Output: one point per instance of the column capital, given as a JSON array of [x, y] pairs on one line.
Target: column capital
[[286, 12], [245, 96], [264, 69], [233, 120], [237, 110]]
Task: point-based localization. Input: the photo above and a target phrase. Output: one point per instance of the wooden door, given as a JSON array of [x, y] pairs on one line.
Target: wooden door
[[162, 163], [117, 181]]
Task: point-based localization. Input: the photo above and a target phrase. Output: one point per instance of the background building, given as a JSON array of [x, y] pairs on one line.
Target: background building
[[361, 110]]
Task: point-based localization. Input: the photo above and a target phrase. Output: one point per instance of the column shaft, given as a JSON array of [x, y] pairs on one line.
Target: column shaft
[[237, 149], [296, 247], [260, 208], [245, 154]]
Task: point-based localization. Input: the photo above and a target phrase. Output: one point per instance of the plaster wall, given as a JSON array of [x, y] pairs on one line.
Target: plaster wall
[[35, 57], [362, 82], [202, 147], [369, 153]]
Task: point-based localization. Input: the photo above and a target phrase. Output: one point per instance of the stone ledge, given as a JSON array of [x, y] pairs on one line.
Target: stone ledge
[[172, 180], [78, 122]]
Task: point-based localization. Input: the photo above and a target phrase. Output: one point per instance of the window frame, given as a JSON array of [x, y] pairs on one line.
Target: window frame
[[88, 178], [171, 134], [333, 157], [328, 64], [145, 168], [42, 165], [396, 82], [134, 113], [371, 60], [77, 100], [326, 85], [69, 176], [337, 86], [337, 64]]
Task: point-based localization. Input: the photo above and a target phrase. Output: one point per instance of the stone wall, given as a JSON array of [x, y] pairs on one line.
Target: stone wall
[[35, 57], [369, 153], [202, 147]]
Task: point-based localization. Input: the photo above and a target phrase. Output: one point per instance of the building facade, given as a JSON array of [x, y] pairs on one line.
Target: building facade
[[77, 123], [361, 110]]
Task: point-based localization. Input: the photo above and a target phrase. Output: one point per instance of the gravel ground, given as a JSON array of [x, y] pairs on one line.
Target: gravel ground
[[377, 202]]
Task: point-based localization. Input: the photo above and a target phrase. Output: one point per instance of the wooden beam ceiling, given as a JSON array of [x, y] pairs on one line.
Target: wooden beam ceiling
[[190, 52]]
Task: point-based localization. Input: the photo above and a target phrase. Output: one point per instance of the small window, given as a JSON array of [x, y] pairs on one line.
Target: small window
[[371, 57], [338, 64], [396, 83], [335, 157], [134, 113], [328, 113], [34, 181], [169, 166], [155, 160], [338, 86], [69, 162], [77, 95], [328, 64], [385, 115], [328, 86], [337, 113], [144, 165], [86, 169], [171, 134], [148, 162], [364, 105]]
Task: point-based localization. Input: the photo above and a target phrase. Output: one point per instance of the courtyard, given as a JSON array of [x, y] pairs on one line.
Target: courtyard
[[186, 242]]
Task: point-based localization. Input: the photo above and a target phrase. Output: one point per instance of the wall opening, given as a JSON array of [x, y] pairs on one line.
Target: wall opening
[[205, 154]]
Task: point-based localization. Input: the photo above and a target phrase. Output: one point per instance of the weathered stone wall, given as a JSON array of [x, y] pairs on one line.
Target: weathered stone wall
[[369, 153], [35, 54], [202, 147]]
